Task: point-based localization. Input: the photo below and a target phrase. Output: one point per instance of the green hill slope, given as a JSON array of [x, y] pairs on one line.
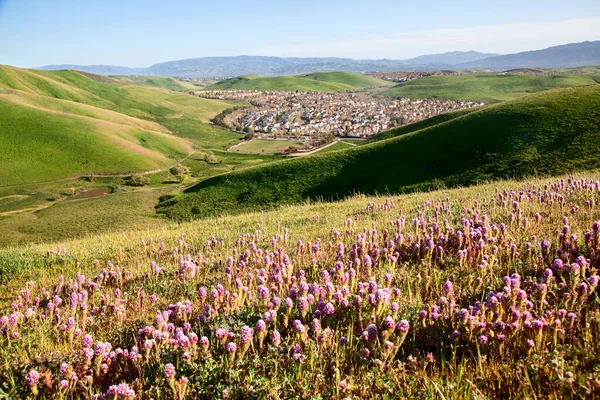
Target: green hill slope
[[486, 88], [317, 82], [157, 82], [547, 133], [59, 124]]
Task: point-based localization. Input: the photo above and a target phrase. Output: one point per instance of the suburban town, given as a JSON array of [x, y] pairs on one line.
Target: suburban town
[[352, 114]]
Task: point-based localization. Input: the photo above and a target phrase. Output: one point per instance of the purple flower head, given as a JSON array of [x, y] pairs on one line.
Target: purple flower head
[[204, 342], [372, 332], [302, 305], [276, 338], [246, 335], [33, 377], [448, 288], [298, 327], [389, 323], [403, 326], [261, 326], [263, 292], [231, 347], [329, 309], [87, 342], [463, 314]]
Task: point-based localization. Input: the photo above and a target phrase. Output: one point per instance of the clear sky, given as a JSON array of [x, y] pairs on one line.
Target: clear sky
[[139, 33]]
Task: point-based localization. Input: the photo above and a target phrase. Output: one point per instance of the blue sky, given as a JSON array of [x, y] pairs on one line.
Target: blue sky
[[140, 33]]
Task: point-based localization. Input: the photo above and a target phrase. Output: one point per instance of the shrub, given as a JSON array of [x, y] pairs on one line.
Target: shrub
[[138, 180]]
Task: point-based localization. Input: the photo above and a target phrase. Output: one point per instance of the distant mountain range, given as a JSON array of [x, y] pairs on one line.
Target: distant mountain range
[[569, 55], [451, 59]]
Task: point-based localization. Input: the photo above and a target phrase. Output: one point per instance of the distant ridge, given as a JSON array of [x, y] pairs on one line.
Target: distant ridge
[[452, 58], [96, 69], [568, 55]]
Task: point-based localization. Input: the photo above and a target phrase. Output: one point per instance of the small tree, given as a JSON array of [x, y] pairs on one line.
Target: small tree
[[180, 170], [138, 180]]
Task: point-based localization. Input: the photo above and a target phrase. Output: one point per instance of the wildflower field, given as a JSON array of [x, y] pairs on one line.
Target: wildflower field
[[483, 292]]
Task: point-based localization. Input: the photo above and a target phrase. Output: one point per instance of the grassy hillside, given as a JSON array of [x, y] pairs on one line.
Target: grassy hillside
[[547, 133], [317, 82], [417, 126], [485, 88], [157, 82], [69, 123], [469, 293], [38, 145], [185, 116]]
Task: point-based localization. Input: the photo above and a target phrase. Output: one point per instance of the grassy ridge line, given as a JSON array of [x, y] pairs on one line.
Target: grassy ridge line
[[317, 82], [157, 82], [548, 133], [487, 88]]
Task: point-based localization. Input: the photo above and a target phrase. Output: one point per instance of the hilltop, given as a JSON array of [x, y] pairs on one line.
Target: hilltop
[[547, 133], [161, 82], [316, 82], [486, 87]]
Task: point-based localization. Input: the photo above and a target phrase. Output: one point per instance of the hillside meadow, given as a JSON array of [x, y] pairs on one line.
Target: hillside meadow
[[488, 88], [488, 291], [316, 82]]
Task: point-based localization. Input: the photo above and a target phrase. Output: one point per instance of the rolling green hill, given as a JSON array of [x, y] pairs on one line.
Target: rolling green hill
[[486, 88], [317, 82], [157, 82], [59, 124], [547, 133]]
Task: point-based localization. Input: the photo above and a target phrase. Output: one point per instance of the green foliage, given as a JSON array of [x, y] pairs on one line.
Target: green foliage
[[138, 180], [180, 170], [486, 88], [547, 134]]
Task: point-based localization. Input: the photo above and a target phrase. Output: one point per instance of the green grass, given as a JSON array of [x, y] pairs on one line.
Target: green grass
[[317, 82], [485, 88], [417, 126], [70, 219], [157, 82], [548, 134], [38, 146], [101, 124], [185, 116], [258, 146], [341, 145]]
